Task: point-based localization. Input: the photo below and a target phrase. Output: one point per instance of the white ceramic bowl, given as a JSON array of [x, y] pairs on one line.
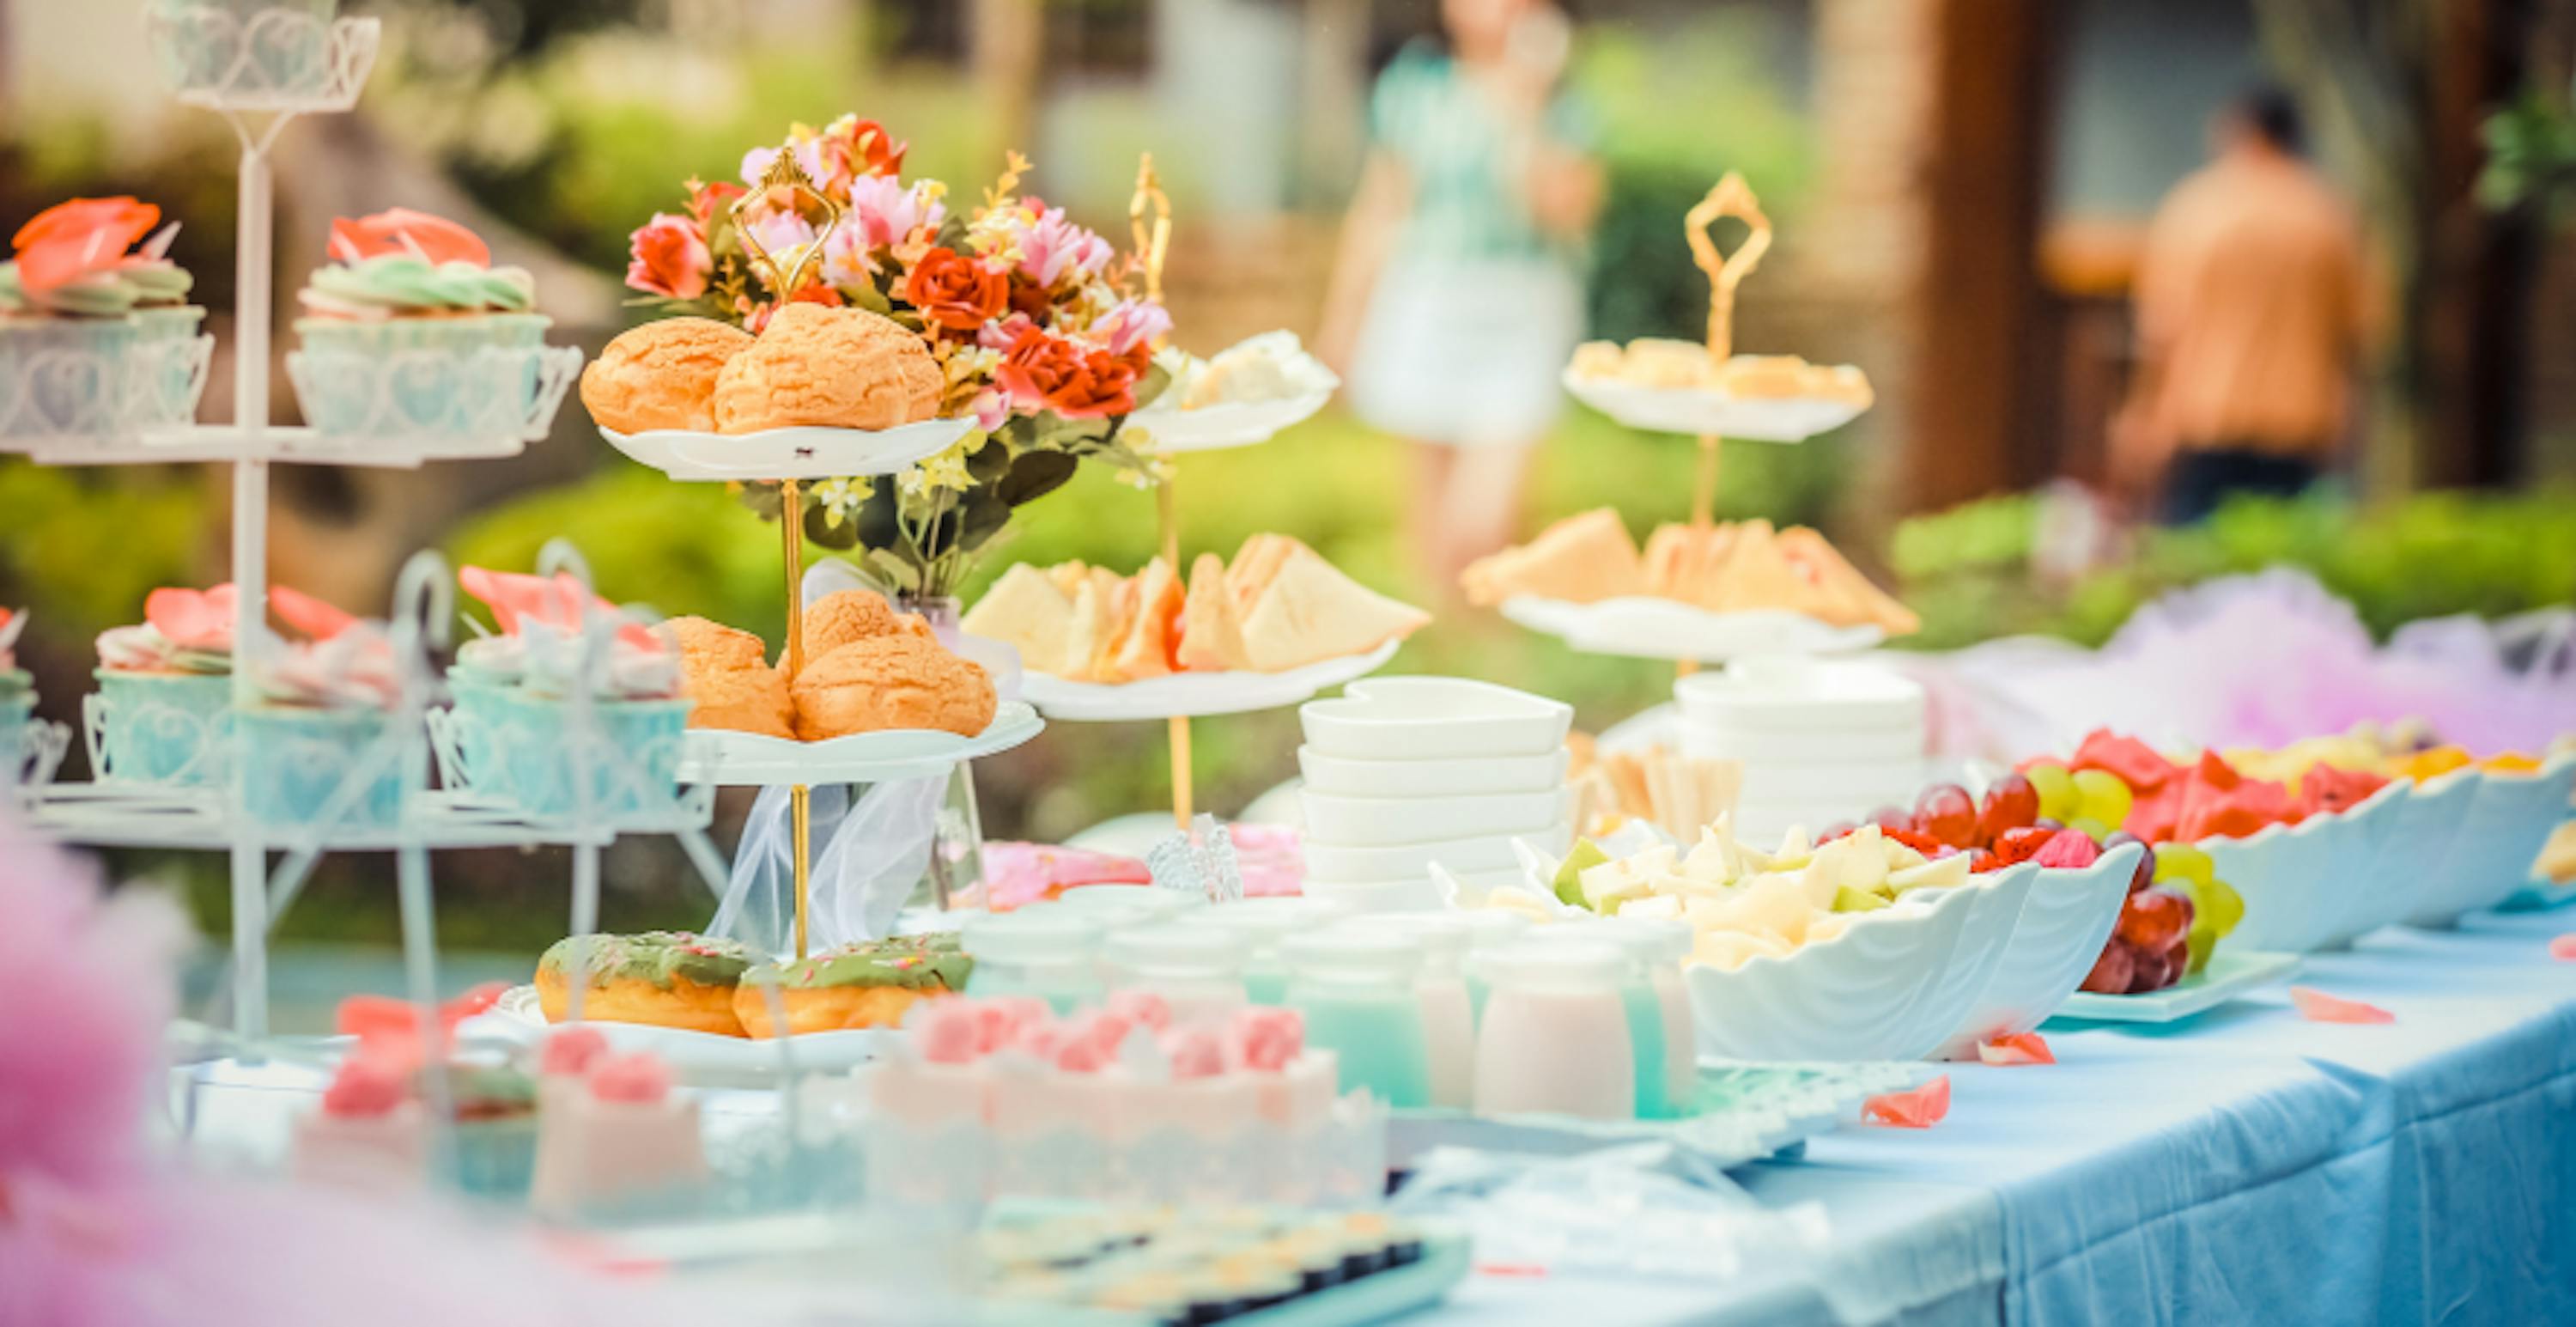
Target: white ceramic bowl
[[1983, 943], [1434, 718], [2064, 922], [1337, 863], [2509, 818], [1389, 822], [1866, 994], [2299, 881], [1340, 776]]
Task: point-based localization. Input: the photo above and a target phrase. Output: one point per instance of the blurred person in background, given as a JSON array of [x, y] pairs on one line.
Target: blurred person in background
[[2250, 305], [1458, 295]]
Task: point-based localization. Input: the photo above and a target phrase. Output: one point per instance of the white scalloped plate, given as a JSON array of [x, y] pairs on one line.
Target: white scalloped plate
[[1702, 411], [692, 1054], [2055, 942], [1194, 694], [754, 760], [1226, 425], [2228, 975], [790, 453], [1645, 627]]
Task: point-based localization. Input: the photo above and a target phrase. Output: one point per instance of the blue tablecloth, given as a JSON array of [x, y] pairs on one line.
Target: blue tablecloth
[[2243, 1166]]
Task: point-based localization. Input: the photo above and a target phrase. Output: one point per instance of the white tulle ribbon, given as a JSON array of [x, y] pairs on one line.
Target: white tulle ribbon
[[872, 852]]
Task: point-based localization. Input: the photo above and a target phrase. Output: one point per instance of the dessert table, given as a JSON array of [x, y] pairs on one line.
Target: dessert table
[[2245, 1166]]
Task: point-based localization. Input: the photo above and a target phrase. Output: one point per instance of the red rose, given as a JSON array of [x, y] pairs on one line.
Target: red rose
[[877, 151], [1035, 367], [1105, 386], [955, 291]]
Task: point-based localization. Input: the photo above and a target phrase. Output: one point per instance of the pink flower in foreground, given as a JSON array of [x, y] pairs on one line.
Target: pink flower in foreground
[[668, 256], [1052, 247], [884, 211], [1130, 329]]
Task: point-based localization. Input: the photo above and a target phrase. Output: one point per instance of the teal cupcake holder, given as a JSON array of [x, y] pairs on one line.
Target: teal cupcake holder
[[465, 737], [466, 385], [159, 729], [30, 748], [513, 748], [70, 385], [320, 769]]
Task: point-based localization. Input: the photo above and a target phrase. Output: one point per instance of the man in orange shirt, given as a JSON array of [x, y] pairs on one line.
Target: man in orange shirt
[[2250, 322]]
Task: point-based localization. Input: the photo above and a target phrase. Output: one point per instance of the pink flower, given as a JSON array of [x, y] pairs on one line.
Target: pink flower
[[991, 409], [809, 154], [668, 256], [1132, 327], [1051, 247], [884, 211], [556, 602]]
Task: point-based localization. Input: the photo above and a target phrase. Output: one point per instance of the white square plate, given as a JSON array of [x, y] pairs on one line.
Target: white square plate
[[2227, 976]]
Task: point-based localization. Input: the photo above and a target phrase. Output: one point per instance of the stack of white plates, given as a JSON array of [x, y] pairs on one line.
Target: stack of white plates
[[1820, 740], [1407, 772]]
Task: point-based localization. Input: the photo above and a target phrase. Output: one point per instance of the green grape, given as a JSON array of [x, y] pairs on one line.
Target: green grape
[[2101, 796], [2218, 904], [2200, 943], [2093, 829], [2056, 788], [2181, 861]]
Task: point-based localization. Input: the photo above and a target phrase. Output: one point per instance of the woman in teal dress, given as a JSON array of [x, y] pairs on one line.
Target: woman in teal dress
[[1458, 293]]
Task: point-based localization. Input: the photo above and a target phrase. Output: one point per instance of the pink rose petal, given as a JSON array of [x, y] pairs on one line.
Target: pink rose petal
[[2564, 947], [307, 614], [2318, 1007], [1921, 1108], [2019, 1048]]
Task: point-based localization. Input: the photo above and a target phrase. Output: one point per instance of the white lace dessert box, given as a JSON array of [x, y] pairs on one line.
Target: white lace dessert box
[[1819, 740], [1411, 774]]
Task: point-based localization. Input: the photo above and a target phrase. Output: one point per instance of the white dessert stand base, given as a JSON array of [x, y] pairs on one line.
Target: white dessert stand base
[[1708, 413], [788, 453], [1645, 627], [697, 1056], [735, 759], [1228, 425], [1194, 695]]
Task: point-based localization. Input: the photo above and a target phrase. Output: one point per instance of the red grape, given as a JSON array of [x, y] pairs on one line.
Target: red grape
[[2152, 919], [2145, 875], [1947, 813], [2113, 971], [2154, 972], [2020, 845], [2010, 804]]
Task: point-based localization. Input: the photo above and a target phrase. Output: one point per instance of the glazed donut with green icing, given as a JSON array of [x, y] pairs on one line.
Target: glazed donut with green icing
[[664, 978], [869, 984]]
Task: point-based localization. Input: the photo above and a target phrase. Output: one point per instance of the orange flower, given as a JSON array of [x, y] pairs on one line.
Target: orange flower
[[1039, 371], [705, 200], [401, 230], [955, 291], [70, 240], [668, 256]]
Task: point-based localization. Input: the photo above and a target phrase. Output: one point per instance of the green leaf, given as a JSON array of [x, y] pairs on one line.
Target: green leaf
[[1036, 474], [821, 529]]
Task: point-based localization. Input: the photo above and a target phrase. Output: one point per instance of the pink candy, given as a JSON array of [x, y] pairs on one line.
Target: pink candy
[[365, 1086], [1195, 1052], [1142, 1007], [1081, 1055], [949, 1032], [640, 1078], [573, 1051], [1267, 1039]]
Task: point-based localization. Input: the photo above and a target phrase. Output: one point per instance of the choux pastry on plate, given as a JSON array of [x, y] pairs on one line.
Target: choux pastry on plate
[[827, 366], [661, 375]]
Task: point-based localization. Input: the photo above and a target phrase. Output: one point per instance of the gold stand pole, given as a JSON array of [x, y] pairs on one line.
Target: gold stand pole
[[800, 805], [1152, 244], [1730, 197]]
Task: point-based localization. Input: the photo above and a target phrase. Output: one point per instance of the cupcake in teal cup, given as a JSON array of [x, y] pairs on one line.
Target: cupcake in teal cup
[[165, 690], [486, 672], [409, 331], [636, 718], [326, 745], [97, 337]]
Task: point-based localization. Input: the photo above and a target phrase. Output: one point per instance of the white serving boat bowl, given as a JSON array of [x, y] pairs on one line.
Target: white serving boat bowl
[[2509, 818], [1892, 986], [2300, 882], [2065, 920], [2396, 879]]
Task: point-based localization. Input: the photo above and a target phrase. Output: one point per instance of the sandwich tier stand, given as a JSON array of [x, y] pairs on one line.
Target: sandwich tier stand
[[1640, 626], [260, 69], [1221, 427], [789, 457]]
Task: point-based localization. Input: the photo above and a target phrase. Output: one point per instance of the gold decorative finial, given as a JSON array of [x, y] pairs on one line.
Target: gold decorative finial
[[1732, 197], [1151, 245], [786, 188]]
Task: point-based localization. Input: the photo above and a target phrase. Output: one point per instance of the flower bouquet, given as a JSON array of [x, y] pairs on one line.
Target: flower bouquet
[[1027, 314]]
